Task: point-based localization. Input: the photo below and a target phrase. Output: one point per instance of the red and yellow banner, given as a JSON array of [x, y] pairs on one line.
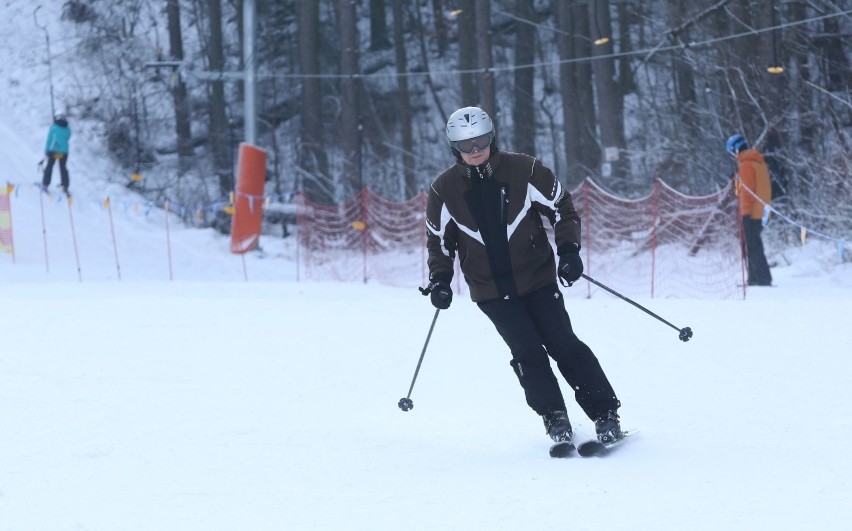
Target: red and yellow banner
[[6, 220]]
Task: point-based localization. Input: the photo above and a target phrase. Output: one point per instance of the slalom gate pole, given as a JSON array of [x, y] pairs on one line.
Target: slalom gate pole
[[406, 404], [74, 239], [112, 232], [234, 221], [685, 333], [168, 240], [43, 229]]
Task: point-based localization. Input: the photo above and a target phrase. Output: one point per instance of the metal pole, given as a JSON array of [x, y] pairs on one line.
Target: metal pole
[[108, 204], [250, 66], [49, 62], [74, 239], [406, 404], [685, 333]]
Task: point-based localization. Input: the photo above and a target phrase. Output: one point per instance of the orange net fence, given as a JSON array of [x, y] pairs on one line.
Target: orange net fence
[[367, 238], [663, 245]]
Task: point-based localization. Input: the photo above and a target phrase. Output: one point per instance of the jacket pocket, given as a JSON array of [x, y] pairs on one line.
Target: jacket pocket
[[538, 242], [538, 236]]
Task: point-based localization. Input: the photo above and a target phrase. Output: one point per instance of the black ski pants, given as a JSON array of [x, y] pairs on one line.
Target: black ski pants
[[536, 325], [758, 268], [63, 169]]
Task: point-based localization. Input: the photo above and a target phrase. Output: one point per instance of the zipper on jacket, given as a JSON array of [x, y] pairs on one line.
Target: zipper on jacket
[[504, 206]]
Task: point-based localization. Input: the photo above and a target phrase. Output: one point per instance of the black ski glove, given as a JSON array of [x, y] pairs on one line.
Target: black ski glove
[[570, 266], [439, 291]]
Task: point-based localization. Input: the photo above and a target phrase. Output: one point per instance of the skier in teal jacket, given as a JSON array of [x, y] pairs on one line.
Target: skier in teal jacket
[[56, 148]]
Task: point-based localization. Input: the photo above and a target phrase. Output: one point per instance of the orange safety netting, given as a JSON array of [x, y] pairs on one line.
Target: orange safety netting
[[663, 245]]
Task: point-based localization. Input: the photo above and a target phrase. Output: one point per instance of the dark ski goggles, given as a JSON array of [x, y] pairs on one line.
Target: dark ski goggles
[[477, 143]]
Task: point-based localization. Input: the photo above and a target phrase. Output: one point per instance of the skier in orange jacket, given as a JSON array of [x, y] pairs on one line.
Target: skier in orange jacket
[[753, 175]]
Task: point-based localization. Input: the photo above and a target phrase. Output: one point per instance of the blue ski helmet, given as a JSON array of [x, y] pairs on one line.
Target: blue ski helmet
[[735, 144]]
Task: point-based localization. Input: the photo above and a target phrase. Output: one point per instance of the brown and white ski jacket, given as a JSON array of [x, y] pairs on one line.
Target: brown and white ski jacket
[[491, 217]]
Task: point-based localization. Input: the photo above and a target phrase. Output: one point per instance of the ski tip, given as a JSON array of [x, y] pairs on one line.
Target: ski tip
[[596, 448], [561, 449], [591, 448]]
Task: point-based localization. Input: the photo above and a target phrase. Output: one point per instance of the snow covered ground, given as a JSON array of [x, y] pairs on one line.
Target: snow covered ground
[[273, 405], [212, 403]]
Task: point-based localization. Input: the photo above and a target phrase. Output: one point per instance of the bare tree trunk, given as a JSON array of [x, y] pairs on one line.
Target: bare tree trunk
[[523, 110], [350, 130], [839, 71], [312, 158], [741, 69], [467, 53], [772, 87], [626, 83], [571, 128], [684, 80], [183, 127], [404, 102], [218, 136], [424, 56], [610, 118], [486, 58], [378, 26], [240, 87], [590, 150], [440, 26]]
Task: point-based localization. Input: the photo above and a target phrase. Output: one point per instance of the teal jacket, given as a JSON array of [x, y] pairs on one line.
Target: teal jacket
[[57, 137]]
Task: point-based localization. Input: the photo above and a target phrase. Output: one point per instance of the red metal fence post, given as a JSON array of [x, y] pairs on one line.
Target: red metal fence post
[[654, 222]]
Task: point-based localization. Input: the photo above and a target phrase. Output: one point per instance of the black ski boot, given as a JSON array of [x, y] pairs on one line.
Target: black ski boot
[[558, 426], [608, 428]]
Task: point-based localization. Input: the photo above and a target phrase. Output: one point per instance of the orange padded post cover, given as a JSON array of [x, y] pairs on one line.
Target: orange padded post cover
[[248, 203]]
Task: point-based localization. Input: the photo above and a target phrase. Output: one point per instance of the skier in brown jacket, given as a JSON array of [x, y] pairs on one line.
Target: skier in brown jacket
[[487, 209]]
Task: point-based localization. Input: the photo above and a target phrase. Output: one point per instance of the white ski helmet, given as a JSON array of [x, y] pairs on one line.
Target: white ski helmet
[[468, 122]]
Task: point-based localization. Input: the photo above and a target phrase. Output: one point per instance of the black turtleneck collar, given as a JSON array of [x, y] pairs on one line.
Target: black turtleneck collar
[[484, 171]]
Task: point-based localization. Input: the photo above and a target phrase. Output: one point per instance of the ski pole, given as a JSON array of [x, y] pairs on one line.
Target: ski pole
[[74, 238], [685, 333], [108, 206], [406, 404], [41, 194]]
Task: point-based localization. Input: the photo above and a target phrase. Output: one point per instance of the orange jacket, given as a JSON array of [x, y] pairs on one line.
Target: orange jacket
[[754, 175]]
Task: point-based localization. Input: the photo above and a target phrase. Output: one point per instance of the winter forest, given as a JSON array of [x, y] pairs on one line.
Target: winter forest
[[354, 94]]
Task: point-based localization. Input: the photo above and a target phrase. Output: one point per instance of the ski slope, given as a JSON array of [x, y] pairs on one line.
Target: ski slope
[[212, 402], [273, 405], [153, 381]]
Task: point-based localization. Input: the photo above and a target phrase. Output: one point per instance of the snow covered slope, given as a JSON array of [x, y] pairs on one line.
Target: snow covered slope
[[213, 403]]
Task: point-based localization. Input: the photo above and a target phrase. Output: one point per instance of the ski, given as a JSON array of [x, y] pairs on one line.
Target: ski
[[595, 448], [46, 191], [562, 449]]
